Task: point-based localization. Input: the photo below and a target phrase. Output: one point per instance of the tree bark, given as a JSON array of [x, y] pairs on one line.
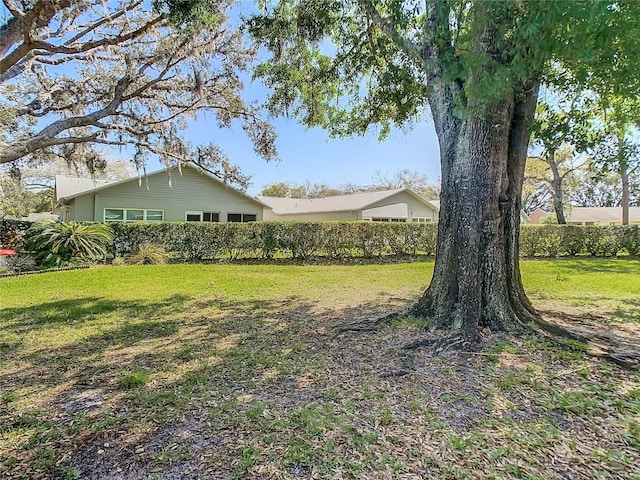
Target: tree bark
[[556, 188], [476, 281], [21, 27], [623, 170], [624, 176]]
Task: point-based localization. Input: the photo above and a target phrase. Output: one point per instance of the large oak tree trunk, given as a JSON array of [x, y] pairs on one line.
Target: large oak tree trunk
[[476, 282]]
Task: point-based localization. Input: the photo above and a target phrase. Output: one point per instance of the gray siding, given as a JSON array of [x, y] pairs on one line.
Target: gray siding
[[191, 191], [416, 208], [83, 208]]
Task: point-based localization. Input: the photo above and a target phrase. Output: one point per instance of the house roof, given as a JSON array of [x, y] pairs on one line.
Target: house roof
[[600, 214], [73, 187], [69, 187], [337, 203]]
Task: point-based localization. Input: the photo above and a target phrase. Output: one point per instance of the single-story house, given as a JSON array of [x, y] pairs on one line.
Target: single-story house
[[175, 194], [600, 215], [402, 205], [591, 215], [538, 215]]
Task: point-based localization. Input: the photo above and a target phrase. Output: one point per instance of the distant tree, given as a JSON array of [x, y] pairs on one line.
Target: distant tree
[[619, 150], [603, 189], [380, 181], [34, 181], [77, 74], [535, 187], [320, 190], [549, 179], [17, 201], [280, 189], [302, 190], [405, 178], [560, 132]]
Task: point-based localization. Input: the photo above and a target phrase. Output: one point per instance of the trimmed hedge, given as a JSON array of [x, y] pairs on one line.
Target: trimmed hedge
[[298, 240], [569, 240], [338, 240]]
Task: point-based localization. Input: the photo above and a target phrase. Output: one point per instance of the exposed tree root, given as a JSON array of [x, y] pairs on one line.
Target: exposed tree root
[[371, 324], [598, 341], [622, 351]]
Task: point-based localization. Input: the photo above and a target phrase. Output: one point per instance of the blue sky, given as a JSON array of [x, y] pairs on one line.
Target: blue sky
[[310, 155]]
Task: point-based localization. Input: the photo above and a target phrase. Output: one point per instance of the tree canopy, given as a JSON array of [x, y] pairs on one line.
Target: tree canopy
[[348, 64], [77, 75]]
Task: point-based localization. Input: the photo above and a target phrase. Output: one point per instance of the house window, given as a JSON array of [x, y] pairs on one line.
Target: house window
[[210, 217], [132, 215], [421, 219], [193, 216], [113, 215], [202, 217], [135, 215], [154, 215], [388, 219], [241, 217]]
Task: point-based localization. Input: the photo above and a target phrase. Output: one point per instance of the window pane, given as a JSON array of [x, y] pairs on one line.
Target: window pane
[[249, 218], [155, 215], [135, 215], [194, 217], [113, 215], [210, 217], [234, 217]]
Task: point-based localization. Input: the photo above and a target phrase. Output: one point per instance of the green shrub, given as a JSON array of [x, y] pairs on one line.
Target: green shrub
[[59, 242], [631, 239], [602, 241], [560, 240], [147, 253], [20, 263], [572, 240], [530, 240]]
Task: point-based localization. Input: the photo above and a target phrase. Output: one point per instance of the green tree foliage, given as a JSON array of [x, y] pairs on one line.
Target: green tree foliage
[[550, 179], [567, 127], [619, 150], [17, 201], [596, 188], [299, 190]]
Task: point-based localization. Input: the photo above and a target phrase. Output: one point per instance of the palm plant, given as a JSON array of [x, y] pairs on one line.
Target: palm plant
[[58, 242]]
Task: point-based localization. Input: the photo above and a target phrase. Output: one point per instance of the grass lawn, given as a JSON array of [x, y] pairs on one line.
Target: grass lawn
[[239, 371]]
